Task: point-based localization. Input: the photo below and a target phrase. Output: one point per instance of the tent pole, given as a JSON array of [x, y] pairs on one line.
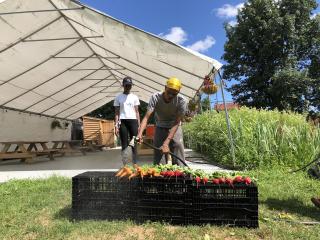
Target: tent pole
[[72, 84], [29, 35], [83, 99], [162, 85], [37, 65], [134, 63], [32, 113], [200, 104], [41, 84], [58, 39], [40, 11], [228, 121]]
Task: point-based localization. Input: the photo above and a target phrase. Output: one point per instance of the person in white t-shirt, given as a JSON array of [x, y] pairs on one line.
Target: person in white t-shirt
[[127, 117]]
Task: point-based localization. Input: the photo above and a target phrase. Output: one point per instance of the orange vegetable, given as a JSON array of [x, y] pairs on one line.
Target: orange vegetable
[[119, 172], [136, 174], [127, 172], [143, 173]]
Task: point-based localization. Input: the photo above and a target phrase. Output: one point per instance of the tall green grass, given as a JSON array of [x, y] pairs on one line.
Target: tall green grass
[[261, 138]]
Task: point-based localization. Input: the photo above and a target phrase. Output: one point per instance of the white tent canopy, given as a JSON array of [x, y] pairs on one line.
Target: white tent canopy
[[62, 59]]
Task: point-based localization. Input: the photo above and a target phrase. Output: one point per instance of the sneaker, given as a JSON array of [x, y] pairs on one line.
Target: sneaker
[[316, 202]]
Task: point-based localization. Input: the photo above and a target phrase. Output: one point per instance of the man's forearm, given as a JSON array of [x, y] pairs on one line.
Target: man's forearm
[[172, 132], [138, 117], [116, 119], [143, 125]]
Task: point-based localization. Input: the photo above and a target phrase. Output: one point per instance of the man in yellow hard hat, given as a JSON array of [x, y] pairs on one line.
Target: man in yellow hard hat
[[169, 108]]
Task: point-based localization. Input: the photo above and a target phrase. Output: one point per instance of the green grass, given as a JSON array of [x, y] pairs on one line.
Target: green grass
[[260, 137], [40, 209]]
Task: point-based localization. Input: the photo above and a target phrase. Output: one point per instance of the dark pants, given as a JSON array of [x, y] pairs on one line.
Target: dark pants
[[129, 128], [176, 144]]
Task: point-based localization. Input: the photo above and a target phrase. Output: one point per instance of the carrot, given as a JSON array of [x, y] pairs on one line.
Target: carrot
[[123, 174], [150, 172], [136, 174], [119, 172], [138, 169], [127, 172], [143, 173]]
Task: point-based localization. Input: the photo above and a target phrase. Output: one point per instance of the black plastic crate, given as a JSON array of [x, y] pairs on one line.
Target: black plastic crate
[[223, 193], [101, 195], [163, 189], [103, 209], [164, 200], [171, 213], [225, 205], [100, 185], [227, 214], [249, 223]]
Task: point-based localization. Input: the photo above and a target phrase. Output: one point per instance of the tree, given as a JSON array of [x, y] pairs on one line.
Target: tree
[[205, 104], [270, 53], [314, 69], [106, 111]]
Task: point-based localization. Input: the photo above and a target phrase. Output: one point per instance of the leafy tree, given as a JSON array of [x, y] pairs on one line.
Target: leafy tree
[[106, 111], [314, 69], [205, 104], [273, 55]]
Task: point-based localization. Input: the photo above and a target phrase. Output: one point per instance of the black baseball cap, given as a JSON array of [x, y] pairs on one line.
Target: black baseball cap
[[127, 81]]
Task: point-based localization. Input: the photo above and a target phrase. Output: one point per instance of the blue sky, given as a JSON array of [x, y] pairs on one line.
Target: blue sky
[[197, 24]]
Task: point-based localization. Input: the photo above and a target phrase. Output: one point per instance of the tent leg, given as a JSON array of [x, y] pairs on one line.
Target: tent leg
[[228, 122]]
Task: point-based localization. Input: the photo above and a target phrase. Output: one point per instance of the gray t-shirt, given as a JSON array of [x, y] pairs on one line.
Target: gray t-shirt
[[165, 114]]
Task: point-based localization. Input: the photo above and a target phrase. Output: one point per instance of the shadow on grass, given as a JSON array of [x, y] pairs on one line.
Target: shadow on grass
[[293, 206], [64, 214]]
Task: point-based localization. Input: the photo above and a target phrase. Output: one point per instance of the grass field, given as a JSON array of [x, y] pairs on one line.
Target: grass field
[[40, 209]]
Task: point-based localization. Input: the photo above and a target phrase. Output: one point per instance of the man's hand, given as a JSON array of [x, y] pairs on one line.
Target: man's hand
[[165, 148], [117, 131], [139, 138]]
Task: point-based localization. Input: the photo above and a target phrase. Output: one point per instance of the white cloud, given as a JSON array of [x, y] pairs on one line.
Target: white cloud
[[176, 35], [228, 11], [232, 23], [314, 15], [179, 36], [203, 45]]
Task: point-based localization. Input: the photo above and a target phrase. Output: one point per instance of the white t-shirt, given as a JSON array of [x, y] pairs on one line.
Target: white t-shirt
[[127, 104]]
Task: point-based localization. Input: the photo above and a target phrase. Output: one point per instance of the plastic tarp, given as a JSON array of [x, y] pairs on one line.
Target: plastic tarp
[[60, 58]]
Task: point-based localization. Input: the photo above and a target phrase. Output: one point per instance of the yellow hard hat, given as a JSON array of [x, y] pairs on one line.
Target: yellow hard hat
[[174, 83]]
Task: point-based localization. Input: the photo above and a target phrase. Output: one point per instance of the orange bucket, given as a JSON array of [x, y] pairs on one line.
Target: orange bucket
[[150, 130]]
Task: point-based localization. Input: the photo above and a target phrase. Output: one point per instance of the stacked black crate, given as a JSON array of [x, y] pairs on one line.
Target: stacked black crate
[[164, 200], [235, 205], [100, 195]]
